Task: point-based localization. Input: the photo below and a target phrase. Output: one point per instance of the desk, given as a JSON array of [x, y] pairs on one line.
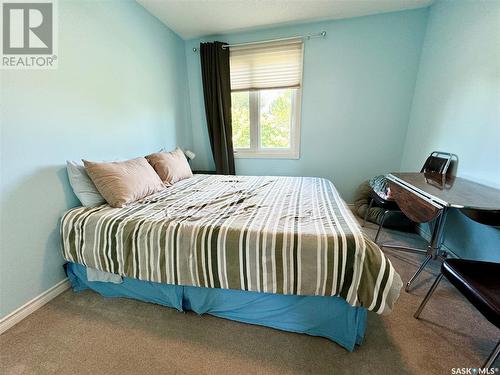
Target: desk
[[424, 197]]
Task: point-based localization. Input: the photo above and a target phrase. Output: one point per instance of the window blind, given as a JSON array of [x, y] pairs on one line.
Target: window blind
[[266, 65]]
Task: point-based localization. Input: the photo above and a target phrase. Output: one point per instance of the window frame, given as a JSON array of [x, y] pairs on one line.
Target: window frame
[[255, 151]]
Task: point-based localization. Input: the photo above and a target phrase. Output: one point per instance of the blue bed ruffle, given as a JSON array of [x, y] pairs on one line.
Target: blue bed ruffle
[[329, 317]]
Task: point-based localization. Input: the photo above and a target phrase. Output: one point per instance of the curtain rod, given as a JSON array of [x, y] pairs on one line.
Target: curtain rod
[[307, 36]]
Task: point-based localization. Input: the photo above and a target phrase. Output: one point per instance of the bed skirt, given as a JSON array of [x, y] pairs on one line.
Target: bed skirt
[[329, 317]]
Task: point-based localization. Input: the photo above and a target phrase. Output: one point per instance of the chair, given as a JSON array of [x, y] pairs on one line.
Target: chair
[[437, 163], [479, 282]]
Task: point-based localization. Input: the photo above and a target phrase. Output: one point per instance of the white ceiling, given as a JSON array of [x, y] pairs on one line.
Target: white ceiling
[[195, 18]]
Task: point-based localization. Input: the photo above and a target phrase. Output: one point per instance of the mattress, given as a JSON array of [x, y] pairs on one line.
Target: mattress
[[279, 235]]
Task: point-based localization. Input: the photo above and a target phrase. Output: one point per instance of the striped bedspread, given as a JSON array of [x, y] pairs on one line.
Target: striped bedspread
[[285, 235]]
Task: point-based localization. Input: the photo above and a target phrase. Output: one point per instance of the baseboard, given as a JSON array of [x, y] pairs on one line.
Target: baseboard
[[31, 306]]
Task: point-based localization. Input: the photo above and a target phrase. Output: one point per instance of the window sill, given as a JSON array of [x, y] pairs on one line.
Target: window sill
[[266, 154]]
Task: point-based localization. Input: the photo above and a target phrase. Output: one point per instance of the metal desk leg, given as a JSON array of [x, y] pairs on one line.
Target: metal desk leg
[[428, 296], [434, 247], [415, 275], [437, 234]]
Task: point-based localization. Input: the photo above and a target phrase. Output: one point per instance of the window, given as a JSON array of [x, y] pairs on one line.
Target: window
[[266, 86]]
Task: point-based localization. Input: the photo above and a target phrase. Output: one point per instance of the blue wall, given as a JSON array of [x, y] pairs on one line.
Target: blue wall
[[357, 93], [120, 91], [456, 108]]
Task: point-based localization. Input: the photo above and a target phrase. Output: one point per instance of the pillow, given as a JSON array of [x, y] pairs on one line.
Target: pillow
[[124, 182], [82, 185], [170, 166]]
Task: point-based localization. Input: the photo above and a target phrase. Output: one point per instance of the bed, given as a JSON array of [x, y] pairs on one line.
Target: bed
[[239, 247]]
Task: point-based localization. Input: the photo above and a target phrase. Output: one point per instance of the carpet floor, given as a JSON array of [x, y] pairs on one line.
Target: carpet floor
[[84, 333]]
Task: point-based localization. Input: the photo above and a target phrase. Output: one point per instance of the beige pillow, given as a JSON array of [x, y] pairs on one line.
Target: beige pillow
[[170, 166], [124, 182]]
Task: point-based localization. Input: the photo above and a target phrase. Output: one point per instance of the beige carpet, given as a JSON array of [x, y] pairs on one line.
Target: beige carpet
[[87, 334]]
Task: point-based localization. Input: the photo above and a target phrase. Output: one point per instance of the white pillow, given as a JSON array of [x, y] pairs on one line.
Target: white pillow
[[82, 185]]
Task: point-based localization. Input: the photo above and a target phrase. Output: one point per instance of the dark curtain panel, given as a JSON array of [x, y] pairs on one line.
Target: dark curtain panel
[[217, 94]]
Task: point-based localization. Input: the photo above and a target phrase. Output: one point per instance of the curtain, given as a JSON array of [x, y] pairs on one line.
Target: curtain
[[217, 94]]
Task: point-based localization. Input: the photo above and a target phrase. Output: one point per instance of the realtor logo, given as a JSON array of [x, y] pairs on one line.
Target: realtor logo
[[27, 28], [28, 35]]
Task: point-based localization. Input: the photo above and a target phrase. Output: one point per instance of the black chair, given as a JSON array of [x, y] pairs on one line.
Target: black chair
[[479, 282], [437, 163]]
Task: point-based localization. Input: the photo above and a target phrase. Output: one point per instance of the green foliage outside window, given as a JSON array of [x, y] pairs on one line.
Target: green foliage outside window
[[240, 114], [275, 118], [275, 121]]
